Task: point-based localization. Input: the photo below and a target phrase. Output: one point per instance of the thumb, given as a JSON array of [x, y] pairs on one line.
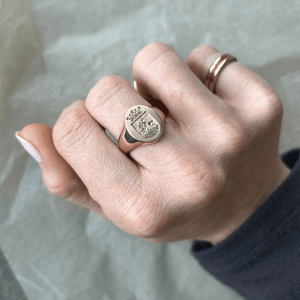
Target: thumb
[[59, 177]]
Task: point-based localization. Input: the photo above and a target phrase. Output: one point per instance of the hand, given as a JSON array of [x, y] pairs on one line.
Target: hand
[[216, 163]]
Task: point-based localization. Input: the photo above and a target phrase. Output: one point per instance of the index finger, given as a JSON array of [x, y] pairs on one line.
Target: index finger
[[111, 178]]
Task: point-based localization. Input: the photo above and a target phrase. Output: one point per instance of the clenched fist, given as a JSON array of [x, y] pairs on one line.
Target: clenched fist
[[217, 161]]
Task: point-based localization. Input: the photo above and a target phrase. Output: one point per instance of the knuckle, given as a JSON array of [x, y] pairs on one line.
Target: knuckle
[[230, 138], [267, 105], [157, 46], [151, 53], [104, 91], [201, 49], [200, 52], [70, 128], [271, 107]]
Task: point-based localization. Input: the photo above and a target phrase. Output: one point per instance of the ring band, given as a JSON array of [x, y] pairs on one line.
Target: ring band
[[144, 125], [215, 70]]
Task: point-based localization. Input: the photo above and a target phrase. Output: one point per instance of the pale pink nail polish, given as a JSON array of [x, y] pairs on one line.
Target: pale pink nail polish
[[30, 149], [134, 84]]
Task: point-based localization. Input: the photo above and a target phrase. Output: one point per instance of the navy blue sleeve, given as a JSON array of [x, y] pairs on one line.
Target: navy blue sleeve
[[261, 260]]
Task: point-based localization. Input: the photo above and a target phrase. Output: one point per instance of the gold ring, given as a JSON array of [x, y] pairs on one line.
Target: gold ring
[[215, 70]]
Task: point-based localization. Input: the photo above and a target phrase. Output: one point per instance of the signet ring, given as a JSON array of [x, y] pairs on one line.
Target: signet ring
[[144, 125]]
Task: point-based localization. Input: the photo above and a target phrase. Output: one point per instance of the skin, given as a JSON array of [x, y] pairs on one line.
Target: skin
[[217, 162]]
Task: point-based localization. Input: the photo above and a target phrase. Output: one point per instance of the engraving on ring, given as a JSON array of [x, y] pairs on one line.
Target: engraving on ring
[[143, 123]]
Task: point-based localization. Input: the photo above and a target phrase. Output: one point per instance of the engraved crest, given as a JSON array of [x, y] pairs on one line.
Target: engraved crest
[[145, 124]]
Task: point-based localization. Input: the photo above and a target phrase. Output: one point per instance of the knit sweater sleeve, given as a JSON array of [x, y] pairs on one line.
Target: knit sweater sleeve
[[261, 260]]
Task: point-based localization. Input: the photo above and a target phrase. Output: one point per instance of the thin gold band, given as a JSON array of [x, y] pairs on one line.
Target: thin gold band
[[215, 70]]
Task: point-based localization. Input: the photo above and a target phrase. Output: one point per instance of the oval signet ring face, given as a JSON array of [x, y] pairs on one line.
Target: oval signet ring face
[[143, 125]]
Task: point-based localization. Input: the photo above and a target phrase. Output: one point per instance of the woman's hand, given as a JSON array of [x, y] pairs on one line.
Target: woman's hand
[[216, 163]]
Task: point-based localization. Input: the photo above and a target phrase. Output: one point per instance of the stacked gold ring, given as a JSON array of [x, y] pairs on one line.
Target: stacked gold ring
[[215, 70]]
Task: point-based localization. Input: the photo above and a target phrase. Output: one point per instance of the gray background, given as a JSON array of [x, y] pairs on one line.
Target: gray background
[[51, 54]]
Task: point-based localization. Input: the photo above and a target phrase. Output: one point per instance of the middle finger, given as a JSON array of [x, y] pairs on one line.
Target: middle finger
[[161, 73]]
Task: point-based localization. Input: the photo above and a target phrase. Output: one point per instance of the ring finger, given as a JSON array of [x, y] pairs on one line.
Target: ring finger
[[234, 81]]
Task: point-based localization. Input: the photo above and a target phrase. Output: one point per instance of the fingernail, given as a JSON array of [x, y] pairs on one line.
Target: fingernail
[[30, 149], [134, 84]]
